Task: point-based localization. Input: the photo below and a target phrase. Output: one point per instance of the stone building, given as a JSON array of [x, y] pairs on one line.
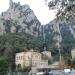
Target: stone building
[[73, 53], [30, 58]]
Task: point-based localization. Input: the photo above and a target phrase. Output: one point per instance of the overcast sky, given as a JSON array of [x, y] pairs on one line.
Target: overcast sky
[[41, 10]]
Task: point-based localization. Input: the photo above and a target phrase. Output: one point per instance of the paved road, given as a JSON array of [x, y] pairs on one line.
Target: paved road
[[72, 74]]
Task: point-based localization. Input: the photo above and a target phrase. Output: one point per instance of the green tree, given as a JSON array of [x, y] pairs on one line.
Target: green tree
[[4, 66], [73, 62]]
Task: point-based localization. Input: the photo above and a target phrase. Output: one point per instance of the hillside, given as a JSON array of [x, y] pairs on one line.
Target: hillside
[[21, 19], [62, 29], [20, 30]]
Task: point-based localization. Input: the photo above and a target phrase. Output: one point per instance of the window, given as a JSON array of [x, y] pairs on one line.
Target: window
[[36, 56], [17, 58], [21, 57]]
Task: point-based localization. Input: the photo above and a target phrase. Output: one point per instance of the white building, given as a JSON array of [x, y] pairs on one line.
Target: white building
[[30, 58], [73, 53]]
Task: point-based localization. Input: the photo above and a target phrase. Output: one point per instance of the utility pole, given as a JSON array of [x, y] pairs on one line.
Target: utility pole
[[59, 48], [60, 56], [58, 42], [31, 60]]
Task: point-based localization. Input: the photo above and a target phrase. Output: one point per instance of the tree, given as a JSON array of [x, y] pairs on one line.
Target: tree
[[73, 62], [27, 69], [4, 66], [65, 8], [19, 67]]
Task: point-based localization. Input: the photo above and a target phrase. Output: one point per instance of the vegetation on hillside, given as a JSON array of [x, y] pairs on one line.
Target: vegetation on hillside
[[11, 43], [65, 18], [16, 42]]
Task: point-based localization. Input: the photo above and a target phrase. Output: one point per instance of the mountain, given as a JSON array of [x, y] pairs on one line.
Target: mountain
[[19, 30], [60, 30], [19, 18]]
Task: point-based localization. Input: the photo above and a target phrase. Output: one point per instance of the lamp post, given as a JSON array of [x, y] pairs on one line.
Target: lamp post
[[59, 40], [60, 56], [31, 60]]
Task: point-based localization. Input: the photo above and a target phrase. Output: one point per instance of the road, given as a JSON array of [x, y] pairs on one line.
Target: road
[[71, 73]]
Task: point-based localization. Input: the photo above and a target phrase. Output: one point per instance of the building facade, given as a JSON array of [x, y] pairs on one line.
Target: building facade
[[73, 53], [33, 59]]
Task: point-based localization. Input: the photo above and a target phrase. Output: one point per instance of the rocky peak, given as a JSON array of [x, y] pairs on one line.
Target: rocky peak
[[20, 18]]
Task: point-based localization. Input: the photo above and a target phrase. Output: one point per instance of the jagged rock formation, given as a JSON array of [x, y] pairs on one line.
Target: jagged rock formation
[[19, 18], [62, 31]]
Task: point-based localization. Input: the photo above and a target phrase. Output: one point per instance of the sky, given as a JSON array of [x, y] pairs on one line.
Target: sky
[[41, 10]]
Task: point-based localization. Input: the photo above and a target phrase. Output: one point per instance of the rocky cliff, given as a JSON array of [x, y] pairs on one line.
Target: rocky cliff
[[62, 29], [62, 32], [19, 18]]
